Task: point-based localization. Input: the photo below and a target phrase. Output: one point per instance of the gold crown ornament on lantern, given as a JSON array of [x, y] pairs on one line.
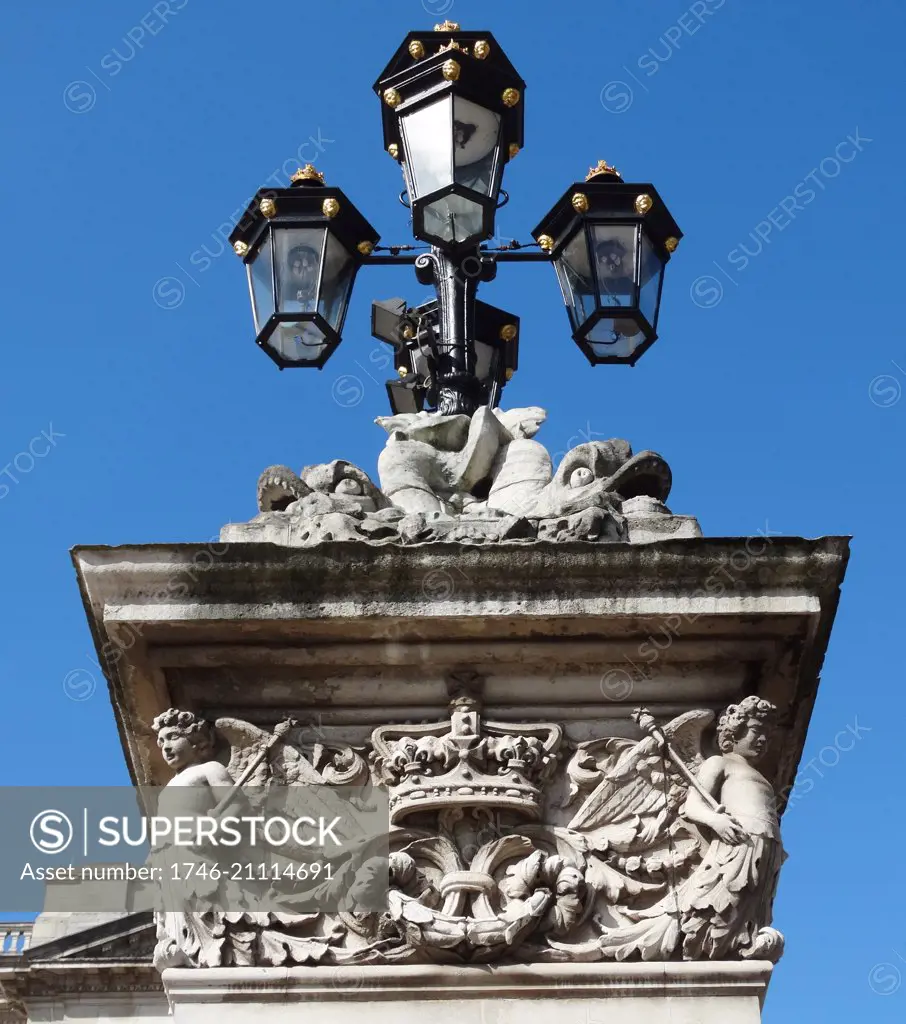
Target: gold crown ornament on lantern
[[308, 174], [602, 170]]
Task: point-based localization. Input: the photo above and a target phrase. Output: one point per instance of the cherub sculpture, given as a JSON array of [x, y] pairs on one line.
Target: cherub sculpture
[[187, 745], [210, 926], [687, 848], [729, 896]]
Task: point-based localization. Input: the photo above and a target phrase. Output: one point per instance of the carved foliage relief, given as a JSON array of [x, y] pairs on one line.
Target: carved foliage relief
[[510, 844]]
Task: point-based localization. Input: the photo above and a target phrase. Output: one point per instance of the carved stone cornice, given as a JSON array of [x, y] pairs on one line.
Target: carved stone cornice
[[164, 615]]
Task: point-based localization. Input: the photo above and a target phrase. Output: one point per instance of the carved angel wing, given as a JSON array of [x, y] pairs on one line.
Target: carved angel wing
[[641, 786], [246, 742], [631, 789], [284, 764], [685, 736]]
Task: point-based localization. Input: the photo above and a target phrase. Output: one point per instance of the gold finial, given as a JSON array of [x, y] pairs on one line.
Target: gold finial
[[394, 150], [392, 98], [308, 173], [403, 372], [510, 97], [508, 332], [509, 373], [365, 248], [242, 249], [671, 244], [514, 150], [447, 26], [580, 202], [416, 49], [643, 203], [451, 70], [268, 207], [546, 242], [481, 50], [602, 170], [330, 208]]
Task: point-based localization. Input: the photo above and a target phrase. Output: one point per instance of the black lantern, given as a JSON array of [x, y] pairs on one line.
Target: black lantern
[[416, 338], [302, 247], [453, 115], [496, 349], [610, 242]]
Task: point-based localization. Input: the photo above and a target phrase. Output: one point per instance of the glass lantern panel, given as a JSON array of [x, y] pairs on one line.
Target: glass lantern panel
[[261, 283], [484, 361], [336, 282], [454, 219], [298, 343], [476, 135], [576, 280], [651, 275], [615, 255], [614, 338], [298, 266], [428, 138]]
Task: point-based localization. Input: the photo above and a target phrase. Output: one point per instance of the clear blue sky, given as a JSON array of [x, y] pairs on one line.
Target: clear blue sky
[[777, 405]]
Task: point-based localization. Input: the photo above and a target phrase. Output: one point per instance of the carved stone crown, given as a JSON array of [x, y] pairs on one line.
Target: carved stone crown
[[465, 763]]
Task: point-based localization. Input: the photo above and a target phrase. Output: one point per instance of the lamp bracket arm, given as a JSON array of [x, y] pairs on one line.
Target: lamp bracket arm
[[520, 256]]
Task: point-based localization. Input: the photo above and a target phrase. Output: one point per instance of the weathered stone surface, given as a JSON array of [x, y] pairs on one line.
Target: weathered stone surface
[[354, 636], [682, 993], [354, 640], [655, 852], [478, 480]]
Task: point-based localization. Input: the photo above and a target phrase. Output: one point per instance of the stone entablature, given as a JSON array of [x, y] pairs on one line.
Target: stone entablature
[[594, 837]]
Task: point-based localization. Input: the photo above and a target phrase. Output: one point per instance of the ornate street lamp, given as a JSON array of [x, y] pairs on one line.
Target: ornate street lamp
[[610, 242], [452, 107], [302, 247], [453, 116]]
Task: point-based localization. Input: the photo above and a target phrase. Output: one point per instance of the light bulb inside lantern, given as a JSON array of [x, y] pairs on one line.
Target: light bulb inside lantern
[[475, 135], [302, 277], [611, 256]]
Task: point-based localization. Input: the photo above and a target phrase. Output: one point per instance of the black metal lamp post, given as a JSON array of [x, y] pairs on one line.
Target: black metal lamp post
[[452, 107]]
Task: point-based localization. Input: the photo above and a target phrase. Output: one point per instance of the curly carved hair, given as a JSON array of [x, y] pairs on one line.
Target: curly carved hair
[[197, 730], [736, 719]]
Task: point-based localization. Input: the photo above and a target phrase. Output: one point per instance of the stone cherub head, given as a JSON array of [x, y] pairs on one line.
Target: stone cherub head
[[184, 738], [745, 728]]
